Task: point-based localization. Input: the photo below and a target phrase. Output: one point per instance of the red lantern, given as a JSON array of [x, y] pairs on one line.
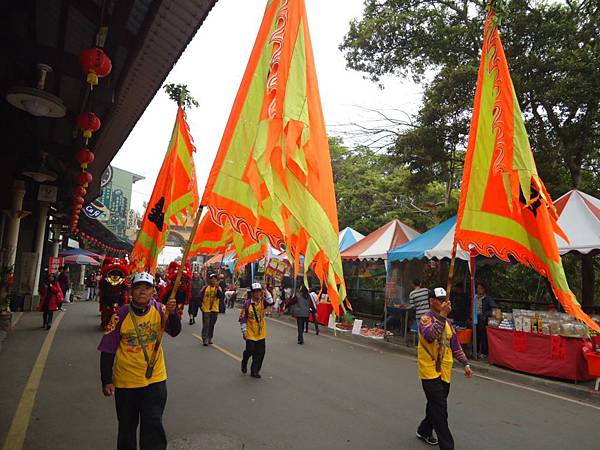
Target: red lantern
[[96, 64], [77, 200], [84, 178], [84, 157], [89, 123]]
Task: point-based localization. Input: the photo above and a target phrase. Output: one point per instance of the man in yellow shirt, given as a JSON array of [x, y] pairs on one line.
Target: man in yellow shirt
[[254, 328], [210, 298], [127, 347], [438, 344]]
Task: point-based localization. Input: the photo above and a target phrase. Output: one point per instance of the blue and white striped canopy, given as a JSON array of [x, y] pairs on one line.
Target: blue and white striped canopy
[[435, 243], [348, 237]]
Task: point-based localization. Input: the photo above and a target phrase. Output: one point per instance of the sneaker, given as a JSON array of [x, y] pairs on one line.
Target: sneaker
[[205, 343], [431, 440], [255, 375]]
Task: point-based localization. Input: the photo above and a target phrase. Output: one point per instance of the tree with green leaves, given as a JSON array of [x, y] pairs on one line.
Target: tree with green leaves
[[554, 56], [180, 94]]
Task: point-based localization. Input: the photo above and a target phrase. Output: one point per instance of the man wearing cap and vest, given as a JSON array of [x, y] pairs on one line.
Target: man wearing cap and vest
[[128, 369], [254, 328], [438, 344], [210, 298]]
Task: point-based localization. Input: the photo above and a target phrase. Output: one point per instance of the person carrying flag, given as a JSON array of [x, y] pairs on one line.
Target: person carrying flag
[[127, 347], [210, 299], [254, 328], [438, 343]]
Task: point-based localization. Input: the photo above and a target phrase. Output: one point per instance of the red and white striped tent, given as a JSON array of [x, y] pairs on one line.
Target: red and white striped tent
[[579, 217], [377, 244]]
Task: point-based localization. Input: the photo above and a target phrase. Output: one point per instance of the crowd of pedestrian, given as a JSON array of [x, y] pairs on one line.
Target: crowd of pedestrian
[[134, 372]]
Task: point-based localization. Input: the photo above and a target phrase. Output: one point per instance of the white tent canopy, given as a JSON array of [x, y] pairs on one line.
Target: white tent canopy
[[579, 218]]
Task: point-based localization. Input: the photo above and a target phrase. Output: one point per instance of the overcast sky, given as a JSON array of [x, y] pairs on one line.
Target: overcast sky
[[212, 66]]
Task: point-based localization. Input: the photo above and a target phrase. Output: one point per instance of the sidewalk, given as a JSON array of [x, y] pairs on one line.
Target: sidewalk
[[583, 391]]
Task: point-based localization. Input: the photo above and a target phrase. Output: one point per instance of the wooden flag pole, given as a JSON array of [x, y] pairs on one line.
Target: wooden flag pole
[[451, 271], [186, 251]]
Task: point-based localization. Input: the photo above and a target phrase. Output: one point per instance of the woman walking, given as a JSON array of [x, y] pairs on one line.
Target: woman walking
[[197, 285], [301, 309], [50, 298]]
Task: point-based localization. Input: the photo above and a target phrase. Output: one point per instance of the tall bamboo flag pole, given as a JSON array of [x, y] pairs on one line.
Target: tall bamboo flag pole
[[186, 251]]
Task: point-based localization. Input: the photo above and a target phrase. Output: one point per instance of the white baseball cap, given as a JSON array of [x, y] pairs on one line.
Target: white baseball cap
[[256, 287], [143, 277], [438, 292]]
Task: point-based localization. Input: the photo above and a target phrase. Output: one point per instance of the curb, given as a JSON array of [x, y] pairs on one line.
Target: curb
[[577, 392]]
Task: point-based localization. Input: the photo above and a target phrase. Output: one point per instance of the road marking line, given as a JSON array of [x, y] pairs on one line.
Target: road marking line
[[221, 349], [549, 394], [17, 317], [456, 369], [18, 428]]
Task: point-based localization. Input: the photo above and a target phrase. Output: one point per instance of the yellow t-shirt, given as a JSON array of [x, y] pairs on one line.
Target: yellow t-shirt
[[210, 302], [428, 351], [255, 330], [129, 370]]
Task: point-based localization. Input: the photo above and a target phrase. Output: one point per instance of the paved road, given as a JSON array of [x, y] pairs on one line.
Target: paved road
[[327, 394]]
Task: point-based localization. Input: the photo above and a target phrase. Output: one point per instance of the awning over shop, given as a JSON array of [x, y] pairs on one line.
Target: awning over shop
[[377, 244], [97, 230]]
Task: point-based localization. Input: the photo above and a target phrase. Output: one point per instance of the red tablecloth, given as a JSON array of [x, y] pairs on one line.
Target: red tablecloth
[[324, 310], [537, 354]]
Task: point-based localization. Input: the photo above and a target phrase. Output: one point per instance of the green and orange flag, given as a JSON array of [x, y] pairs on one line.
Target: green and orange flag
[[271, 181], [174, 199], [214, 239], [505, 210]]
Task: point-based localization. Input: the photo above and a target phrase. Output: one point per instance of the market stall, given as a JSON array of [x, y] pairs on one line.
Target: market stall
[[539, 343], [538, 354]]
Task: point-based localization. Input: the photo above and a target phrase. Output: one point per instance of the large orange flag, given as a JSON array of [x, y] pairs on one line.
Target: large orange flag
[[505, 210], [272, 180], [174, 199]]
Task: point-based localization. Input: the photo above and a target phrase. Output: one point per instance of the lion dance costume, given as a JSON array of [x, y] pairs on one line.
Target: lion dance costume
[[113, 289], [184, 292]]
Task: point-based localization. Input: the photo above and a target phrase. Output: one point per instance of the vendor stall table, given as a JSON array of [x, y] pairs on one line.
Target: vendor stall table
[[538, 354], [324, 310]]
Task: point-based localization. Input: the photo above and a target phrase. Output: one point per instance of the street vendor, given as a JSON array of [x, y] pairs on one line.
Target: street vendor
[[254, 328], [438, 346], [126, 368]]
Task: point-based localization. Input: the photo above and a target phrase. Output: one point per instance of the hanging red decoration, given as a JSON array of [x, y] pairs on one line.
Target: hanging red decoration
[[78, 200], [89, 123], [96, 63], [79, 191], [84, 157], [84, 178]]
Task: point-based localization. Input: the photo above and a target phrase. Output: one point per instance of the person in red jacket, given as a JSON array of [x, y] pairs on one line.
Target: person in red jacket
[[50, 298]]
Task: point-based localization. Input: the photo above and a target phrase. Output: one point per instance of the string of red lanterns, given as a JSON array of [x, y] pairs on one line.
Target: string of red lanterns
[[99, 244], [96, 64]]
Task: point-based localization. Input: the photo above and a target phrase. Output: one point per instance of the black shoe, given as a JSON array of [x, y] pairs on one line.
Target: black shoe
[[191, 321], [48, 327], [431, 440], [317, 332], [255, 375], [204, 342], [300, 342], [210, 341], [244, 366]]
